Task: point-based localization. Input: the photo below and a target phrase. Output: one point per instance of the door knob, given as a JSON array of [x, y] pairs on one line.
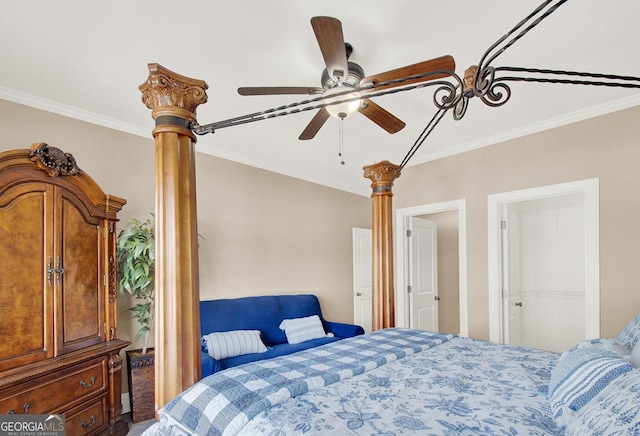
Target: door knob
[[519, 304], [358, 294], [437, 298]]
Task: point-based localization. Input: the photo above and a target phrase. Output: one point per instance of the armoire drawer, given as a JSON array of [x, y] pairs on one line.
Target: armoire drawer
[[88, 419], [54, 393]]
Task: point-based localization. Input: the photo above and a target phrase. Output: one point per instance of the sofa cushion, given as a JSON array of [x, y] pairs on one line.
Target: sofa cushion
[[264, 313]]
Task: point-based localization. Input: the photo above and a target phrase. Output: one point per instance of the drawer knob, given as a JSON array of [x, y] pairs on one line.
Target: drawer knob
[[93, 421], [85, 385]]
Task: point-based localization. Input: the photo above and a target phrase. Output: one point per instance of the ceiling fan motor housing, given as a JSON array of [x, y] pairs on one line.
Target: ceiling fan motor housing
[[356, 74]]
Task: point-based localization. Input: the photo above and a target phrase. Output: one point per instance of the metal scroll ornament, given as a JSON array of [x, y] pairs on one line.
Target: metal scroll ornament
[[53, 160]]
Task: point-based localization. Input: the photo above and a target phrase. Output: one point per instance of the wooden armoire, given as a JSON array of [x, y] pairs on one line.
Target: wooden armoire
[[59, 351]]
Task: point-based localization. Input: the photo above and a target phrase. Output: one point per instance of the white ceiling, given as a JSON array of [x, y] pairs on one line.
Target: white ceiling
[[86, 58]]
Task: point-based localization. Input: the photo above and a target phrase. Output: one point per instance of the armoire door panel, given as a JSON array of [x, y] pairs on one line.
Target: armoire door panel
[[25, 247], [80, 288]]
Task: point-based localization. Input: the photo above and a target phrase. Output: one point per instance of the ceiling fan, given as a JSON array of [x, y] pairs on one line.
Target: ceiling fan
[[342, 76], [483, 81]]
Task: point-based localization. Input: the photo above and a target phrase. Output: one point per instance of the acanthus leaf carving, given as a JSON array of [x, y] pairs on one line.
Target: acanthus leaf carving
[[165, 88]]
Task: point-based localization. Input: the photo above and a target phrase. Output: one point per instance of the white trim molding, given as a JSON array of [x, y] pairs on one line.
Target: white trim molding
[[401, 251], [590, 188]]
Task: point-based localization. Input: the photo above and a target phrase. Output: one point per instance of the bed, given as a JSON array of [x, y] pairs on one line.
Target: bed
[[400, 381]]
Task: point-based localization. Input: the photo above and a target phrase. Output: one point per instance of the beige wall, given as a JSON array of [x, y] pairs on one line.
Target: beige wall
[[606, 147], [266, 234], [263, 233]]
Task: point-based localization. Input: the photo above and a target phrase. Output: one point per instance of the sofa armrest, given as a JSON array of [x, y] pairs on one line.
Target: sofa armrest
[[342, 330], [209, 365]]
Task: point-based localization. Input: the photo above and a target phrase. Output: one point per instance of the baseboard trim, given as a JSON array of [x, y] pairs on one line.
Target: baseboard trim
[[126, 403]]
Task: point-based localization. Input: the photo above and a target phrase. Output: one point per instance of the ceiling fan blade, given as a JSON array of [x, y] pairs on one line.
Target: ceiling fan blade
[[316, 123], [381, 116], [446, 63], [278, 90], [328, 32]]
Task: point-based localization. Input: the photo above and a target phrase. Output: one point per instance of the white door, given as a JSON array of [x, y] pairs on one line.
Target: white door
[[423, 274], [510, 229], [362, 276], [545, 272]]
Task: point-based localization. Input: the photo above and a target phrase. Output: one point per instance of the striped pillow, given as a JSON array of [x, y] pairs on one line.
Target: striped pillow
[[579, 376], [234, 343], [302, 329], [614, 411]]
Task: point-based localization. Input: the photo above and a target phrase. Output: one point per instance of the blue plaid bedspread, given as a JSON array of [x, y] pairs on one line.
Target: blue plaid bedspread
[[223, 403]]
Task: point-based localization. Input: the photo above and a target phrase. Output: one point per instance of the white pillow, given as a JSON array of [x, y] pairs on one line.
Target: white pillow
[[221, 345], [303, 329], [635, 354], [605, 344], [630, 334]]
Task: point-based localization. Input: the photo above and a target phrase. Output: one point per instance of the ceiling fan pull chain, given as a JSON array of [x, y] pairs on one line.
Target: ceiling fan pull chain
[[340, 141]]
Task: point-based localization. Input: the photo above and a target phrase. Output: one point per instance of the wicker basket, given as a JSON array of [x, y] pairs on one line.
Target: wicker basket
[[141, 372]]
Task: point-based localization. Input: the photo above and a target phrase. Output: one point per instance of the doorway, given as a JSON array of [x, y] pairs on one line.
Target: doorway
[[422, 274], [402, 256], [362, 278], [543, 265]]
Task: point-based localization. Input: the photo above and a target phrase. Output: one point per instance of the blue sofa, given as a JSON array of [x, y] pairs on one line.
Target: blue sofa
[[264, 313]]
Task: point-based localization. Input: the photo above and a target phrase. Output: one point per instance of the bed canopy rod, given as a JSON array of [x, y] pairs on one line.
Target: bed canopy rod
[[445, 97], [178, 361], [488, 83]]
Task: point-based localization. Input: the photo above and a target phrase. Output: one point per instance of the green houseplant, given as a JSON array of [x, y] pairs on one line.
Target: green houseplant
[[135, 253], [136, 260]]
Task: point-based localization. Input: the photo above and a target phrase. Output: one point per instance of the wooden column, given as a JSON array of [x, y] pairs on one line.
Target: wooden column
[[382, 234], [173, 100]]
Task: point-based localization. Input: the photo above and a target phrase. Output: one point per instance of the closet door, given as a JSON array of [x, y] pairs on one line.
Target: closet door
[[80, 280], [26, 286]]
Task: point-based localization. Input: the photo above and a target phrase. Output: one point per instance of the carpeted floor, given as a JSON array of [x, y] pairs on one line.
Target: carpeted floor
[[139, 427]]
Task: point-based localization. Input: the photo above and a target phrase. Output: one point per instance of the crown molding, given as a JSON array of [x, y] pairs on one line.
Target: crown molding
[[75, 113], [552, 123], [202, 147]]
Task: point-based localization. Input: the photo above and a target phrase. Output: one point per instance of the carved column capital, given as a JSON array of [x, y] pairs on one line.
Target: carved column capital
[[380, 175], [173, 99], [166, 88]]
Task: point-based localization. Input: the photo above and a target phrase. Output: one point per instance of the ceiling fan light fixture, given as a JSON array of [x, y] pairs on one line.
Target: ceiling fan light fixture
[[345, 109]]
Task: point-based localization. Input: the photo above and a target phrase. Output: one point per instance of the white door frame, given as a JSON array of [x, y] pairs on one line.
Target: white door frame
[[590, 189], [401, 251]]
